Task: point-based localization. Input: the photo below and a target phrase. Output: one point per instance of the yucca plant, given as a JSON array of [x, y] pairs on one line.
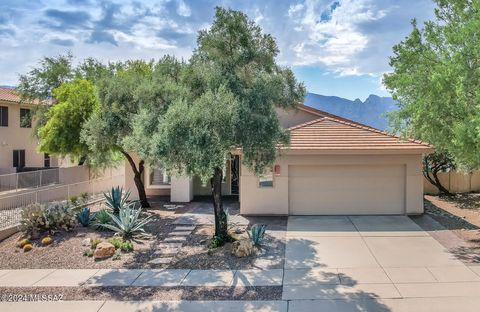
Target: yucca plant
[[84, 217], [128, 223], [116, 199], [257, 233]]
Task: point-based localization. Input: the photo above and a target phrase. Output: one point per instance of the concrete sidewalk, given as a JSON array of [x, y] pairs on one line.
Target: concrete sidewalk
[[135, 277]]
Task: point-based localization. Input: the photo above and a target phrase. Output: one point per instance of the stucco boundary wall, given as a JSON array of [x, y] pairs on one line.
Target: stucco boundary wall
[[455, 182]]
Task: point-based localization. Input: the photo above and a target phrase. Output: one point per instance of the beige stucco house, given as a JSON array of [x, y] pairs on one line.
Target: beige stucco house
[[333, 166], [18, 146]]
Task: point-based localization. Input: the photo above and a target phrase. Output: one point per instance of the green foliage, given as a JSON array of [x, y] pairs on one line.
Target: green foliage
[[95, 242], [88, 253], [127, 246], [84, 217], [36, 218], [116, 241], [27, 247], [216, 242], [116, 199], [117, 255], [257, 233], [102, 217], [60, 135], [435, 78], [234, 88], [128, 222]]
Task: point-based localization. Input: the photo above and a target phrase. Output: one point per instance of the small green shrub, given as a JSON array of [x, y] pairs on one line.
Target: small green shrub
[[101, 218], [27, 247], [95, 242], [47, 240], [84, 217], [127, 246], [215, 242], [88, 253], [257, 233], [116, 241], [117, 255], [73, 200], [84, 196], [37, 218]]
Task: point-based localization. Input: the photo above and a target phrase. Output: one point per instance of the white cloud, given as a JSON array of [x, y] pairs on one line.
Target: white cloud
[[183, 9], [334, 41]]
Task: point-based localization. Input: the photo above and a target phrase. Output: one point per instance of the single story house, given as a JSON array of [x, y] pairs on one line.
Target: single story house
[[333, 166]]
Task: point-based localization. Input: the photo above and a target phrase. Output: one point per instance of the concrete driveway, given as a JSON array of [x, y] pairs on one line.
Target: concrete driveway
[[375, 263]]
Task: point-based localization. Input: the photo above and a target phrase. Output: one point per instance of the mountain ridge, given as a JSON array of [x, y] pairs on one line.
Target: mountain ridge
[[370, 112]]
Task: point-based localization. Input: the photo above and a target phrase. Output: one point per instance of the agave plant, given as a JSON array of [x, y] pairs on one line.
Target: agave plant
[[84, 217], [128, 223], [256, 233], [116, 199]]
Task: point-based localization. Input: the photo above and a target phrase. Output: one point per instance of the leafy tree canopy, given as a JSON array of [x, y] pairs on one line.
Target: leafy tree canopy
[[76, 101], [436, 74], [234, 87]]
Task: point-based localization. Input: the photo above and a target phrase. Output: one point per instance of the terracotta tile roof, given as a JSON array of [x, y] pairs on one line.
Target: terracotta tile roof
[[9, 95], [332, 133]]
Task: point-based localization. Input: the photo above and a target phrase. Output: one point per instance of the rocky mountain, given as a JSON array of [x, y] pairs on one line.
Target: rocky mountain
[[370, 112]]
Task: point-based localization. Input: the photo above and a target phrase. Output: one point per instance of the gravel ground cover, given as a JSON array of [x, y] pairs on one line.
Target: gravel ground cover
[[67, 250], [150, 293], [461, 215]]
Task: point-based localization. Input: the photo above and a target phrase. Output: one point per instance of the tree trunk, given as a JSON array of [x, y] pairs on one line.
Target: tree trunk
[[434, 180], [137, 178], [221, 225]]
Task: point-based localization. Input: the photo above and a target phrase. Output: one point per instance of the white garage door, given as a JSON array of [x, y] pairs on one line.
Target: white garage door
[[352, 189]]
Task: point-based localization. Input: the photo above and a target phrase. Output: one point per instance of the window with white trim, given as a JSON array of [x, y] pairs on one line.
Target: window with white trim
[[265, 180]]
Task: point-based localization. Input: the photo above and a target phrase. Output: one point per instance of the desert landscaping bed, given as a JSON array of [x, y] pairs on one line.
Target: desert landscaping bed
[[68, 247]]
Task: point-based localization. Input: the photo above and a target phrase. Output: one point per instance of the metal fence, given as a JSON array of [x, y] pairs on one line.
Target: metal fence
[[10, 206], [30, 179]]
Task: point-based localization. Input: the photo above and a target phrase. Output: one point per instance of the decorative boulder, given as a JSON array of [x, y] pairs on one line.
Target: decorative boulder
[[242, 248], [103, 250]]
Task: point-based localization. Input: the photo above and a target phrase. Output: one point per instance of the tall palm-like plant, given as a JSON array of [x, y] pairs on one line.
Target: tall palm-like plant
[[128, 223], [116, 199]]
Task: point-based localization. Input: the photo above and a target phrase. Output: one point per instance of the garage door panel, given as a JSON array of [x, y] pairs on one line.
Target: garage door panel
[[346, 189]]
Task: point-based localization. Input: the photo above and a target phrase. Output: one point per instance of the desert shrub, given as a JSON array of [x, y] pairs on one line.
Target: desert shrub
[[126, 246], [128, 223], [116, 199], [27, 247], [73, 200], [84, 196], [95, 242], [116, 241], [88, 253], [101, 218], [84, 217], [117, 255], [47, 240], [257, 233], [37, 218]]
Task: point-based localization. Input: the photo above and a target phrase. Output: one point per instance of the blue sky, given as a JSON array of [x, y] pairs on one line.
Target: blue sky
[[338, 47]]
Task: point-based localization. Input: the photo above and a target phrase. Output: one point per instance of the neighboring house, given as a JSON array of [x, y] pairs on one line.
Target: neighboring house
[[332, 166], [18, 146]]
